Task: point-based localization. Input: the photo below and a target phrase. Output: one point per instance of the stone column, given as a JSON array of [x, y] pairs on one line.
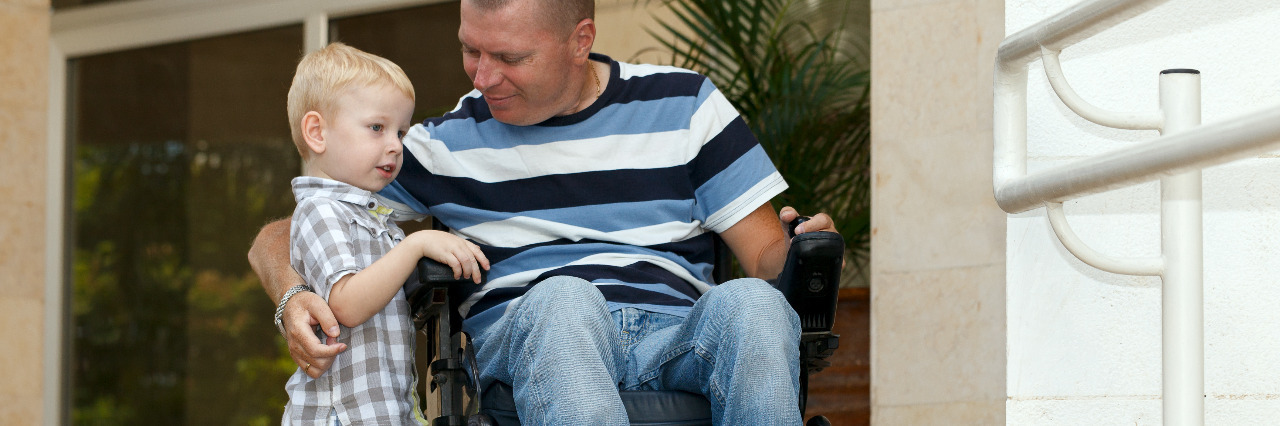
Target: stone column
[[938, 238], [24, 59]]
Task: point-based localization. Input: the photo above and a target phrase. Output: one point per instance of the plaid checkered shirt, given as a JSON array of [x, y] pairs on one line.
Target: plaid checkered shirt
[[337, 230]]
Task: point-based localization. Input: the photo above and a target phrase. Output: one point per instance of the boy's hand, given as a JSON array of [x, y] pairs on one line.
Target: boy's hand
[[461, 255]]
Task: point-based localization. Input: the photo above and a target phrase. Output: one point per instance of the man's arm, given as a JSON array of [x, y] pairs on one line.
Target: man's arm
[[761, 245], [269, 258]]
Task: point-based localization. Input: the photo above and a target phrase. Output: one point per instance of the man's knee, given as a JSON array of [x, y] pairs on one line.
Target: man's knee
[[564, 292], [746, 292], [751, 300], [563, 300]]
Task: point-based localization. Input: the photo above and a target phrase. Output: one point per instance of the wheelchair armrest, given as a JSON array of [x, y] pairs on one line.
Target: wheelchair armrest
[[433, 295], [810, 279], [428, 289]]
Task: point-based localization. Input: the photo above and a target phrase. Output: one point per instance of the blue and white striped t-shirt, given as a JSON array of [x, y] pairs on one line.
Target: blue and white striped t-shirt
[[624, 193]]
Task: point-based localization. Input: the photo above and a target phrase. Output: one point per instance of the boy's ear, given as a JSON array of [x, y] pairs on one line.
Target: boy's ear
[[313, 131]]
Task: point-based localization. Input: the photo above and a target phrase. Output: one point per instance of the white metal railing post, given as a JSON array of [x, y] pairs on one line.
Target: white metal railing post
[[1182, 245], [1176, 158]]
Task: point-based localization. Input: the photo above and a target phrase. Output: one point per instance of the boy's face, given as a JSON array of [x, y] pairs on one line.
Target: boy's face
[[362, 137]]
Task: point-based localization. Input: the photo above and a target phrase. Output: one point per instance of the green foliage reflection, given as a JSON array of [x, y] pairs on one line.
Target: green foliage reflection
[[170, 325]]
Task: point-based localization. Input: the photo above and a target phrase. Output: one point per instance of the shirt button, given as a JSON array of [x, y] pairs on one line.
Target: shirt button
[[372, 205]]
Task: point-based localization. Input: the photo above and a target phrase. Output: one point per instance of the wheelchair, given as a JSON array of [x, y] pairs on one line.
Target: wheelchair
[[809, 281]]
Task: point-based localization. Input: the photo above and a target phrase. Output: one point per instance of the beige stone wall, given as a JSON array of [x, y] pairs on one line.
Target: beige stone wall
[[937, 263], [24, 59], [620, 30]]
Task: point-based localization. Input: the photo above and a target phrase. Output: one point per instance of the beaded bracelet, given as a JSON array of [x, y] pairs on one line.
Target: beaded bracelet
[[284, 300]]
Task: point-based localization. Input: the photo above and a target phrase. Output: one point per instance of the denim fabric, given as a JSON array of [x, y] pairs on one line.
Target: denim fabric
[[566, 356]]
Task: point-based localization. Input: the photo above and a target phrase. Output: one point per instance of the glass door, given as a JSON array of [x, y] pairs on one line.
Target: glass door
[[178, 154]]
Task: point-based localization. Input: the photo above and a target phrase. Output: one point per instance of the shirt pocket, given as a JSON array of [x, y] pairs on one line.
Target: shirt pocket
[[378, 231]]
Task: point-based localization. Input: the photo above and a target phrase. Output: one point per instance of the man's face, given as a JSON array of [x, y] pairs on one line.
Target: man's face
[[521, 65]]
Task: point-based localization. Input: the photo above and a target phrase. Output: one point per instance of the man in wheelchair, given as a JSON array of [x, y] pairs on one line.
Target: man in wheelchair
[[595, 188]]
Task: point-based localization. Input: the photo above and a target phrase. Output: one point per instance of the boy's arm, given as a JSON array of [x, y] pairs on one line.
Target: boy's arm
[[357, 297], [269, 258]]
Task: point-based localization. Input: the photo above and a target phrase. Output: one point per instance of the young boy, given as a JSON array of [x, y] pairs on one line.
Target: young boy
[[348, 111]]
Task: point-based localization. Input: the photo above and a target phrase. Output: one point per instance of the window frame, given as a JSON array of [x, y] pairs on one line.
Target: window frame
[[97, 29]]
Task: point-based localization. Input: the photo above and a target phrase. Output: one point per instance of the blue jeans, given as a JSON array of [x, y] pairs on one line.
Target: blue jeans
[[566, 356]]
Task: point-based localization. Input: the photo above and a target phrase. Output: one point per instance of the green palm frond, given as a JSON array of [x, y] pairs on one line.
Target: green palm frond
[[796, 70]]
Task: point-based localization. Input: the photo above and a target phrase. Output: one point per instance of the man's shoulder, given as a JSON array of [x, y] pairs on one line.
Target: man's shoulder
[[629, 70], [650, 82], [470, 107]]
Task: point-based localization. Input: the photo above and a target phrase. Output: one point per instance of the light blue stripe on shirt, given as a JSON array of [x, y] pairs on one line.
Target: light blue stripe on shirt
[[634, 118], [397, 193], [601, 217], [734, 181]]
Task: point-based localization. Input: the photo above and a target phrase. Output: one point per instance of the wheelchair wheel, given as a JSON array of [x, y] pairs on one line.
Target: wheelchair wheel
[[818, 421]]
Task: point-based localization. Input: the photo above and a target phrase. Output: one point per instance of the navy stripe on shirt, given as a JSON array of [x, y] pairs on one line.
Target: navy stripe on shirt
[[639, 272], [721, 151], [552, 191]]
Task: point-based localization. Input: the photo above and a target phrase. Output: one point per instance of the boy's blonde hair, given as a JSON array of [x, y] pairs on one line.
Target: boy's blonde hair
[[323, 75]]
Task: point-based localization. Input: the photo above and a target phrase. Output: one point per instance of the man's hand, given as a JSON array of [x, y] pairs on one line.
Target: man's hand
[[819, 222], [269, 258], [301, 314]]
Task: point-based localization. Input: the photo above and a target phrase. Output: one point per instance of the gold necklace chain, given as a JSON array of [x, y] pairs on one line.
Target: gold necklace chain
[[599, 89]]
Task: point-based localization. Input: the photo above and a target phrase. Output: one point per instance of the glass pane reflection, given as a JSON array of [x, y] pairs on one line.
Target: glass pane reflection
[[180, 153], [423, 41]]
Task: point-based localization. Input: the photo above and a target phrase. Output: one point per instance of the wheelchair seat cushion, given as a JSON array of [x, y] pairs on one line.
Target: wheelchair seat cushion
[[648, 408]]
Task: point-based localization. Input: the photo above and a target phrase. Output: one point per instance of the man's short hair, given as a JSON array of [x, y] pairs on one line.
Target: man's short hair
[[323, 75], [564, 14]]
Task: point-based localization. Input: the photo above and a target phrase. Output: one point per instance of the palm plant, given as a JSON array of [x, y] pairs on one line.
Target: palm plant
[[796, 71]]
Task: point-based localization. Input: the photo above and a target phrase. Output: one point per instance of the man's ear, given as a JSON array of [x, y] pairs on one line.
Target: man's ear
[[584, 37], [313, 131]]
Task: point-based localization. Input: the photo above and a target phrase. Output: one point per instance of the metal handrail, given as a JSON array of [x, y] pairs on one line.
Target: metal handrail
[[1175, 158], [1016, 191], [1195, 149]]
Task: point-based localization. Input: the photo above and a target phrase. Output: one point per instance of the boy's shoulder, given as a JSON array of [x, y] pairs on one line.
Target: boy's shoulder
[[327, 206], [321, 203], [316, 216], [320, 206], [323, 199]]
